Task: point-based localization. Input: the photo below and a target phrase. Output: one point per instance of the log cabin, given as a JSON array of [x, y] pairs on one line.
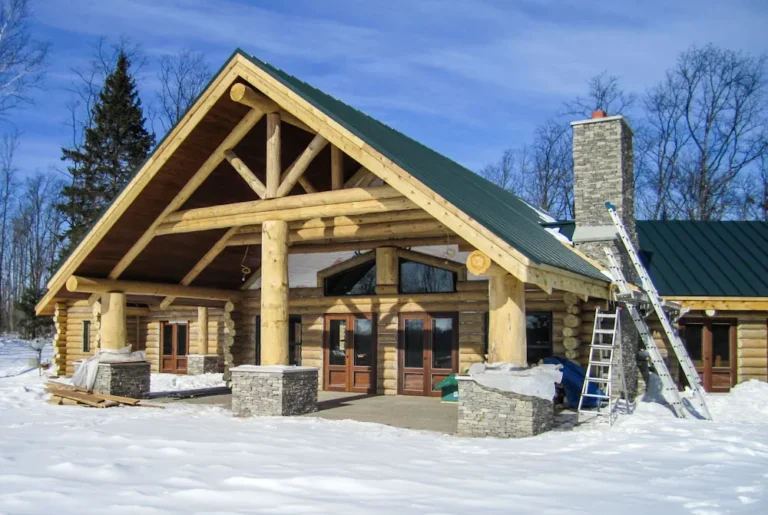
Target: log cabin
[[276, 225]]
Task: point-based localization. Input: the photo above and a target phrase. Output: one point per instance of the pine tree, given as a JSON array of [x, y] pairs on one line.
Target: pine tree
[[115, 146]]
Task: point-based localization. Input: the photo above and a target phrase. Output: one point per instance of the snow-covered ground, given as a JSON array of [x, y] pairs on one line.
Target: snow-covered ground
[[192, 458]]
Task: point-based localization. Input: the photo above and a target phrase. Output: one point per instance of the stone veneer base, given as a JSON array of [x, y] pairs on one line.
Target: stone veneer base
[[487, 412], [202, 364], [130, 379], [273, 390]]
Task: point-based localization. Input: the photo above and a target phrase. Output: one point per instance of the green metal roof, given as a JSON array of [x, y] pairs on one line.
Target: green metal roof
[[708, 259], [701, 259], [499, 211]]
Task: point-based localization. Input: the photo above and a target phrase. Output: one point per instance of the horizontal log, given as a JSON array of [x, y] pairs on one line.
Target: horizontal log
[[245, 95], [93, 285], [750, 362], [325, 246]]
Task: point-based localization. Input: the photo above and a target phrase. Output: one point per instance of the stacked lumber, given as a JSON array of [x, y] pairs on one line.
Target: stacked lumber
[[66, 395]]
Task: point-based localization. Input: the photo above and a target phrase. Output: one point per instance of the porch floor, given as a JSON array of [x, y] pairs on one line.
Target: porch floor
[[424, 413]]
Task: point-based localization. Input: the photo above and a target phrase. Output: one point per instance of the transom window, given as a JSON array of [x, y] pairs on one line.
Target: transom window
[[420, 278], [538, 335], [358, 280]]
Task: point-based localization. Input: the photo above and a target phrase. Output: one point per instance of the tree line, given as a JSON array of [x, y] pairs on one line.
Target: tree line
[[701, 142], [45, 215]]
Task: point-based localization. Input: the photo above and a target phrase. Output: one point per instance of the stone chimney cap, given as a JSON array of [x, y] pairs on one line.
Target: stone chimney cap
[[604, 119]]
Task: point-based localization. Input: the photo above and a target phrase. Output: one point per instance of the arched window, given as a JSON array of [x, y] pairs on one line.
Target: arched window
[[420, 278], [358, 280]]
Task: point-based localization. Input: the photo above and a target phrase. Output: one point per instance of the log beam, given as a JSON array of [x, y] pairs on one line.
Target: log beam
[[77, 284], [480, 264], [357, 177], [506, 321], [114, 324], [245, 95], [248, 176], [255, 275], [368, 231], [294, 172], [324, 246], [337, 168], [274, 294]]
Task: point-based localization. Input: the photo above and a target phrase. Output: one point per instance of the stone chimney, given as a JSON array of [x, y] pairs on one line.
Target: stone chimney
[[603, 171]]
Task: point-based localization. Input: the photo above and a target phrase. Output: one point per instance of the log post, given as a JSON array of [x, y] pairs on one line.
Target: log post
[[274, 293], [387, 271], [337, 168], [273, 154], [506, 326], [506, 304], [202, 330], [114, 326]]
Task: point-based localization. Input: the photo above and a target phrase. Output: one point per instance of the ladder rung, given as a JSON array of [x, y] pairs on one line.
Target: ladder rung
[[601, 346], [606, 315], [597, 380], [601, 363], [604, 331], [596, 396]]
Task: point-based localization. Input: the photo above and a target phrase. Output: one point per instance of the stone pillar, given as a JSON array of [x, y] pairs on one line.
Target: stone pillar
[[114, 326], [274, 293], [485, 412], [506, 320], [202, 362], [128, 379], [603, 171], [273, 390]]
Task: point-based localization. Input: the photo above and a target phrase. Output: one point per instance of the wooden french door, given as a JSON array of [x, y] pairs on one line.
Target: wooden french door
[[350, 353], [175, 345], [428, 351], [712, 348]]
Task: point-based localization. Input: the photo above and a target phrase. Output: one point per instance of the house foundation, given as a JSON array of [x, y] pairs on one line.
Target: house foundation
[[276, 391], [487, 412], [123, 379]]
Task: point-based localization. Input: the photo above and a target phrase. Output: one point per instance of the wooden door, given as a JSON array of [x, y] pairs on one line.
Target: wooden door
[[350, 353], [427, 352], [175, 345], [712, 348]]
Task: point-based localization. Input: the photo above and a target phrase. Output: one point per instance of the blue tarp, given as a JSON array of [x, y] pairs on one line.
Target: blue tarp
[[573, 382]]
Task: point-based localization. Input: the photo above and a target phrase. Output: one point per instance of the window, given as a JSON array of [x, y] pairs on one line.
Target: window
[[294, 340], [86, 336], [420, 278], [538, 335], [359, 280]]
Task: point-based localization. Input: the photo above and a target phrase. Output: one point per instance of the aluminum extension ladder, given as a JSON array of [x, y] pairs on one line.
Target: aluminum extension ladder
[[602, 359], [670, 391]]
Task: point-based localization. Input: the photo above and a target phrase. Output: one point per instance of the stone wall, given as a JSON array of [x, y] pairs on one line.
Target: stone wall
[[487, 412], [273, 390], [202, 364], [123, 379]]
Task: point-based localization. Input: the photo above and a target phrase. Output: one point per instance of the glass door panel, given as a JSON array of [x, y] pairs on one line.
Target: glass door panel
[[442, 343], [414, 343], [428, 352], [350, 350], [363, 342]]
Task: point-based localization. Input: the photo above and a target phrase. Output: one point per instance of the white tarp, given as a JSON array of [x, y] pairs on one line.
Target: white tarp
[[85, 375], [537, 381]]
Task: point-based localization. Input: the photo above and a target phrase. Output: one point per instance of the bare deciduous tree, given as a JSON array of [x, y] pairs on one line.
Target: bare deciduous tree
[[721, 95], [508, 172], [8, 149], [22, 59], [182, 78], [603, 92]]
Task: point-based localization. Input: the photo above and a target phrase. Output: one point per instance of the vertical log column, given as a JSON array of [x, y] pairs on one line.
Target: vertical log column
[[114, 326], [202, 330], [337, 168], [387, 271], [274, 263], [506, 302]]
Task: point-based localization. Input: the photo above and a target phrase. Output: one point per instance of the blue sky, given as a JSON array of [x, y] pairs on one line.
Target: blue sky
[[468, 78]]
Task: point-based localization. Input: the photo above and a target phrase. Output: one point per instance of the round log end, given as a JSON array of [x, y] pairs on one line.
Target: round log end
[[478, 263], [237, 92]]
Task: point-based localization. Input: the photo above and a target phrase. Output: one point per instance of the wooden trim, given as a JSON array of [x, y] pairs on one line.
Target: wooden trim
[[206, 260], [248, 176], [469, 229], [721, 303], [344, 265]]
